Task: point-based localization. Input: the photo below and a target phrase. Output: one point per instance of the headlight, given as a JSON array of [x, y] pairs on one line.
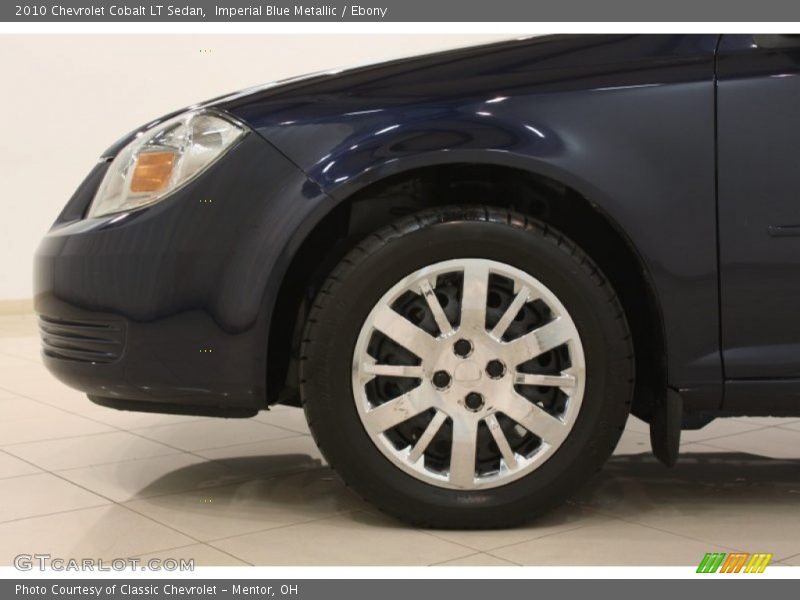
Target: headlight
[[161, 160]]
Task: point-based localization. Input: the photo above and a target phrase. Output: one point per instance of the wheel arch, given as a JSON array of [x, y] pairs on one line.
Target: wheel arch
[[377, 197]]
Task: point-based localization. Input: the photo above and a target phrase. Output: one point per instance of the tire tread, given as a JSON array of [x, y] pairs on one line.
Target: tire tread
[[427, 218]]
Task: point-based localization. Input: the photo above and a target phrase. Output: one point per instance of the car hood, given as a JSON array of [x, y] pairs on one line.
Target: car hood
[[480, 69], [487, 68]]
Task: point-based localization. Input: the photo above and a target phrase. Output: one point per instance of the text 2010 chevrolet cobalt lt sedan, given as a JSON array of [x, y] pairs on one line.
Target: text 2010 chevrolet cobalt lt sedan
[[468, 267]]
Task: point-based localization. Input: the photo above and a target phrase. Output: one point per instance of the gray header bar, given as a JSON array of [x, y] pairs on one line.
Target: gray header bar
[[399, 11]]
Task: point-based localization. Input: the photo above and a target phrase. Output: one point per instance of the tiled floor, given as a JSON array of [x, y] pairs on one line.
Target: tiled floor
[[77, 480]]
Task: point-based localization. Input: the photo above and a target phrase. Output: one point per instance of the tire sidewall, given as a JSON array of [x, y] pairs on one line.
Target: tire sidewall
[[327, 386]]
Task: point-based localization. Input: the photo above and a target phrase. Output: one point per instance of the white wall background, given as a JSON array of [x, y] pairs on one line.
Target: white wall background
[[66, 98]]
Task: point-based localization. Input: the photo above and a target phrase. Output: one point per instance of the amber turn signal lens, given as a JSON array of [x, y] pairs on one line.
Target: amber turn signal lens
[[153, 171]]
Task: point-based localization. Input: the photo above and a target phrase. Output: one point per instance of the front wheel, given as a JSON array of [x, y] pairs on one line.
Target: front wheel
[[466, 368]]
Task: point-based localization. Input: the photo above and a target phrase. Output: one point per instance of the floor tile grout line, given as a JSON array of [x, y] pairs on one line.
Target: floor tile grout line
[[86, 416], [124, 503], [151, 519], [57, 512], [687, 444], [136, 433], [19, 394], [185, 421], [127, 461], [535, 539], [133, 431], [175, 450], [220, 462], [760, 429], [746, 420], [444, 539], [254, 420], [129, 509], [210, 542], [199, 418], [674, 533], [614, 517], [726, 450], [100, 464], [22, 395], [182, 546], [437, 535], [27, 462], [501, 546], [193, 543], [78, 485], [211, 420], [41, 472], [292, 437], [255, 477], [516, 564], [787, 428], [727, 435], [554, 533], [65, 411], [245, 477], [110, 500], [342, 513], [781, 558], [89, 417], [229, 554], [444, 562], [792, 556]]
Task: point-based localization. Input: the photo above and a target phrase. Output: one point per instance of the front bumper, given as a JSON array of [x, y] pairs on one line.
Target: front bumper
[[168, 308]]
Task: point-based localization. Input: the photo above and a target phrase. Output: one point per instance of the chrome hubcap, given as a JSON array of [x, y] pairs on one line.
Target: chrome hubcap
[[468, 374]]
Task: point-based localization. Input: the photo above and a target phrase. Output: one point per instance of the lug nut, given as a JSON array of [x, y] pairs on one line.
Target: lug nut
[[495, 369], [462, 348], [473, 401], [441, 380]]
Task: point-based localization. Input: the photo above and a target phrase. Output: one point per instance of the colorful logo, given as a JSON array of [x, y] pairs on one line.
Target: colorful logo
[[736, 562]]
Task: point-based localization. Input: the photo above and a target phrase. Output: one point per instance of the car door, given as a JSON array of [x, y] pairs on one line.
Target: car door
[[758, 145]]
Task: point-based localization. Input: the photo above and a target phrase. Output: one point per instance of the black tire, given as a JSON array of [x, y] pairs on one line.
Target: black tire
[[377, 264]]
